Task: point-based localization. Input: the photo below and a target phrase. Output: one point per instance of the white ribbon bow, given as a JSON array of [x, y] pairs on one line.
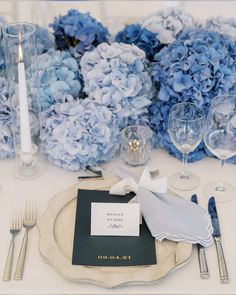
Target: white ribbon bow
[[129, 184]]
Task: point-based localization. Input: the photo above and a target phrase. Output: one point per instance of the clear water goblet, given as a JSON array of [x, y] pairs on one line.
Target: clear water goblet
[[220, 139], [185, 126]]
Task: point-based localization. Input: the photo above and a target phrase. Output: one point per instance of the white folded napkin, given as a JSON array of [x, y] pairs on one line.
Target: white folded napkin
[[167, 216], [175, 218]]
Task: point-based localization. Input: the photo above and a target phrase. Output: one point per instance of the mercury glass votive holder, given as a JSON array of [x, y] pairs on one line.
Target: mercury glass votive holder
[[135, 147], [21, 67]]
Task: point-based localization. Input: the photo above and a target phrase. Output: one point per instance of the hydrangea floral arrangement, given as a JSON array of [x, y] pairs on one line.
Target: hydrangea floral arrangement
[[198, 66], [189, 63], [78, 32], [80, 133], [59, 78], [6, 135], [222, 25], [117, 76]]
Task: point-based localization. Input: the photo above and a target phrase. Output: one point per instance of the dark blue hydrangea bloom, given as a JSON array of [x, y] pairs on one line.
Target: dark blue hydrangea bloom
[[141, 37], [78, 32], [195, 68]]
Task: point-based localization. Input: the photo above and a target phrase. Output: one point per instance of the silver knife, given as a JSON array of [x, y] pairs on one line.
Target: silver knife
[[204, 272], [224, 276]]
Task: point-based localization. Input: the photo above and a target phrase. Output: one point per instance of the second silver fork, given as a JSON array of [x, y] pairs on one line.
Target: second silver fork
[[29, 222], [16, 225]]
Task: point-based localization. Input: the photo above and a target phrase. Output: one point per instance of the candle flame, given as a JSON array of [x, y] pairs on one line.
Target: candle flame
[[20, 48]]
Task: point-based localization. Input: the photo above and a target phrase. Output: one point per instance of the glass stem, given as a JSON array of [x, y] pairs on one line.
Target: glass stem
[[184, 174], [220, 185]]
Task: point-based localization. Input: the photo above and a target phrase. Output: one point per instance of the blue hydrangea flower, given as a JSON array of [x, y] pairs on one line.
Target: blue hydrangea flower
[[222, 25], [6, 135], [168, 23], [78, 32], [59, 78], [195, 68], [44, 39], [3, 21], [117, 76], [78, 134], [141, 37]]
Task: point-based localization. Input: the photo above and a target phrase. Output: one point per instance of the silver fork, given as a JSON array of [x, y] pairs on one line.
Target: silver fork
[[15, 228], [29, 222]]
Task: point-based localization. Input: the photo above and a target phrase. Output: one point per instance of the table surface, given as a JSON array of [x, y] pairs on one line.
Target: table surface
[[41, 278]]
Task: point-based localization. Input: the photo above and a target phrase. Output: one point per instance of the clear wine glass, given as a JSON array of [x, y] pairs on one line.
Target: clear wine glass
[[220, 139], [185, 126]]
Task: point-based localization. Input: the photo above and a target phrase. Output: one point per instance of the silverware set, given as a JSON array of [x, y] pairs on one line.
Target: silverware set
[[223, 271], [28, 221]]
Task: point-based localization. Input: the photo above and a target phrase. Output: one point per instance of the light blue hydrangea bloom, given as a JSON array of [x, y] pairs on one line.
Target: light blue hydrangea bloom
[[168, 23], [198, 66], [44, 39], [6, 135], [222, 25], [58, 78], [78, 134], [117, 76], [3, 21]]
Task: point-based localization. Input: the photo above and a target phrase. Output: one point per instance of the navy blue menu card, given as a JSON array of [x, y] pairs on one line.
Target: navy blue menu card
[[108, 250]]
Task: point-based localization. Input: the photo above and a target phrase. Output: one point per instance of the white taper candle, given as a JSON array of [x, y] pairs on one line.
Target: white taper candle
[[25, 134]]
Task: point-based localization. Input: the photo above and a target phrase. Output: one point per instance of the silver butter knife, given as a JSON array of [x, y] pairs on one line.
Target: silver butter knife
[[224, 276], [204, 272]]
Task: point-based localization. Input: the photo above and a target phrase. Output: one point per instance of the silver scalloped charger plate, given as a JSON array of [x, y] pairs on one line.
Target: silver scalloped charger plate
[[56, 228]]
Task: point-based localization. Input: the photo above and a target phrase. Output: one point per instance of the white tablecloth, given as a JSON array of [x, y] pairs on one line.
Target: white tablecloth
[[41, 278]]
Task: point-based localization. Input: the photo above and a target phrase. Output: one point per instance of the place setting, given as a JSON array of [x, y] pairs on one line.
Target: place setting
[[96, 104], [169, 220]]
